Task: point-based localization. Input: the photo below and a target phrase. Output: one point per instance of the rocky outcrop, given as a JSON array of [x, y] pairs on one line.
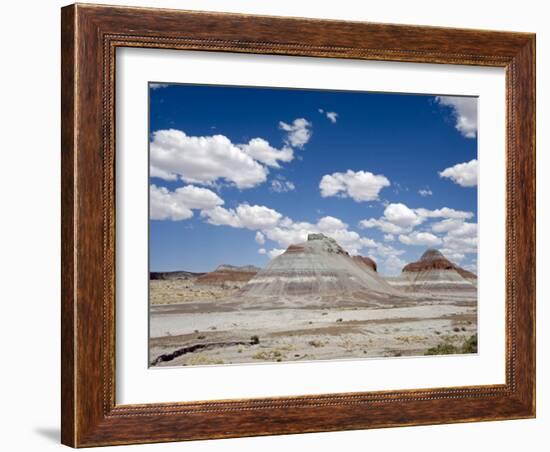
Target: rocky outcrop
[[367, 261], [318, 267]]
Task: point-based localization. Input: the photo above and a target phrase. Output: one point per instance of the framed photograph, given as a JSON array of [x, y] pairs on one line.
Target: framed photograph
[[281, 225]]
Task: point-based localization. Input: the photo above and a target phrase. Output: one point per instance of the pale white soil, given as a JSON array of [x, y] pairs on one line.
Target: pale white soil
[[223, 329]]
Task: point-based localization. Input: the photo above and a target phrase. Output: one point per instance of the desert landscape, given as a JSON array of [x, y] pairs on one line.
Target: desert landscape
[[313, 302]]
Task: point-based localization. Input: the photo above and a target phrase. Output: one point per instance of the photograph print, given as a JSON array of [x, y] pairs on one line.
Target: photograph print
[[302, 225]]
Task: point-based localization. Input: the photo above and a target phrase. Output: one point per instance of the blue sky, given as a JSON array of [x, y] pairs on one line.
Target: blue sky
[[239, 173]]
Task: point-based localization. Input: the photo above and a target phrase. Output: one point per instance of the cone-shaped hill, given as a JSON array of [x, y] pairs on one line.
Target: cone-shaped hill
[[435, 273], [318, 267]]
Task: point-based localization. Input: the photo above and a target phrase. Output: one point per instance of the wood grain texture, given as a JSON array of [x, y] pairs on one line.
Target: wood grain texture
[[90, 36]]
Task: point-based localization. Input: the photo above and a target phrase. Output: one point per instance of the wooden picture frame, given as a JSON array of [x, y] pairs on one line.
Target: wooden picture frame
[[90, 36]]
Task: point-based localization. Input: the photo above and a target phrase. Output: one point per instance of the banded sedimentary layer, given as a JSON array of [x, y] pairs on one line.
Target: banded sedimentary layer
[[318, 267], [435, 273]]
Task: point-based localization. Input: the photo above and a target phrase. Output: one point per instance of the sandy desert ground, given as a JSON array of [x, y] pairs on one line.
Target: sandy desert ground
[[191, 324]]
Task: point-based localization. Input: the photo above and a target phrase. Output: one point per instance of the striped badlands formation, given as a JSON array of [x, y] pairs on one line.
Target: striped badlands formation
[[435, 273], [226, 274], [313, 302], [318, 267]]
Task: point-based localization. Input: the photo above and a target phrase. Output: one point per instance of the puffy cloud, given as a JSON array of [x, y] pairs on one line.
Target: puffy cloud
[[425, 192], [401, 219], [447, 225], [465, 113], [332, 116], [202, 160], [401, 215], [444, 212], [420, 239], [262, 251], [389, 237], [387, 258], [244, 216], [281, 185], [260, 238], [465, 230], [327, 224], [260, 150], [275, 252], [463, 174], [382, 224], [289, 232], [298, 133], [220, 216], [392, 265], [176, 205], [360, 185], [460, 244], [272, 225], [461, 239], [257, 217]]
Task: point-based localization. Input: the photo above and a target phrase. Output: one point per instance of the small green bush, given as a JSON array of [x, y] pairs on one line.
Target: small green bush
[[468, 346], [443, 349]]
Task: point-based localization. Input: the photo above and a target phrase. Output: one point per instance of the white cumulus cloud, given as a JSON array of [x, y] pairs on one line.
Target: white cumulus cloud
[[298, 133], [425, 192], [260, 238], [260, 150], [358, 185], [420, 239], [202, 160], [447, 225], [465, 113], [401, 219], [401, 215], [332, 116], [463, 174], [244, 216], [444, 212], [177, 205], [281, 185]]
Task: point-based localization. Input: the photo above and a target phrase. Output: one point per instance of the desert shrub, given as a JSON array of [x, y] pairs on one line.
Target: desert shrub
[[470, 345], [443, 349], [315, 343], [272, 355]]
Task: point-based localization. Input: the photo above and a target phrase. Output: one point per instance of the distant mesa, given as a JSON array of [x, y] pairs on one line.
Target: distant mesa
[[234, 268], [228, 274], [434, 273], [318, 267], [175, 275]]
